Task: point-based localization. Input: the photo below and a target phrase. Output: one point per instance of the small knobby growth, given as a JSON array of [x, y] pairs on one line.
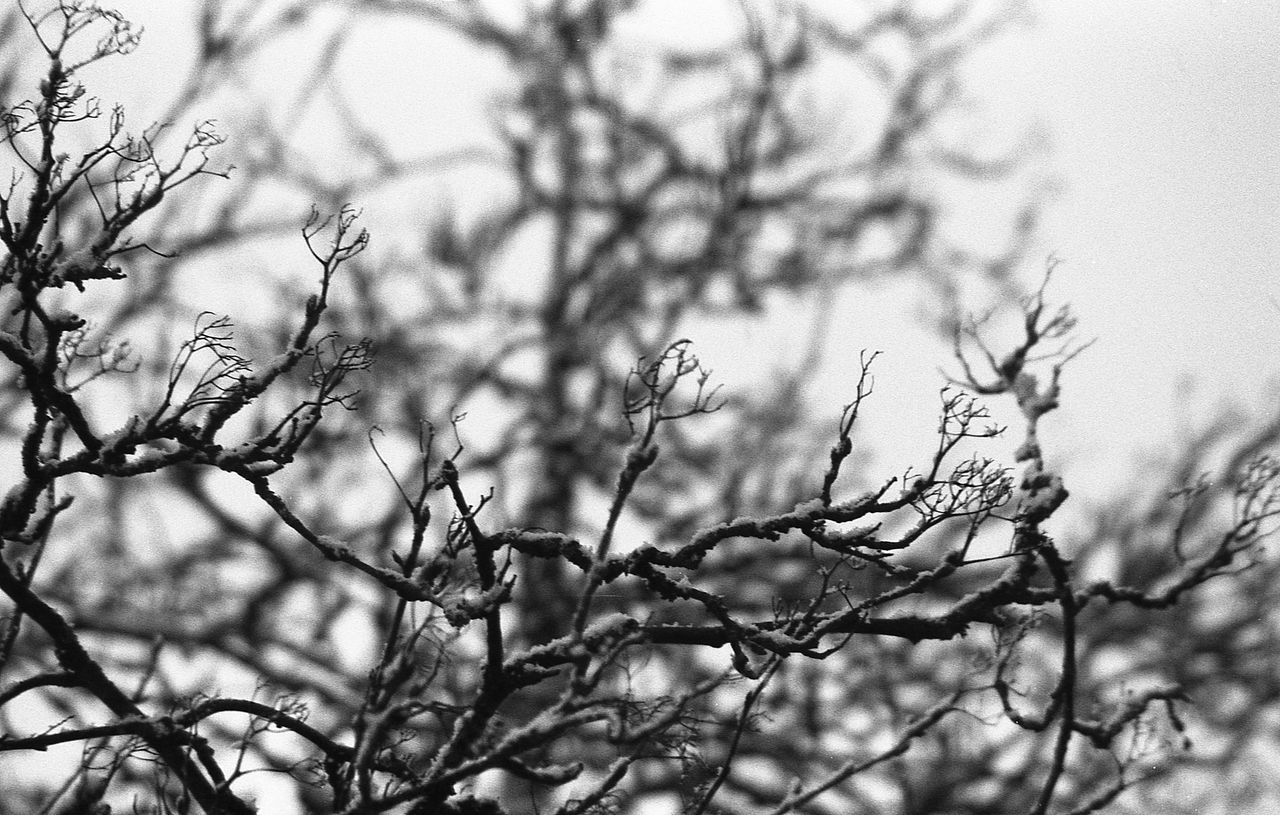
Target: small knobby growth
[[459, 695]]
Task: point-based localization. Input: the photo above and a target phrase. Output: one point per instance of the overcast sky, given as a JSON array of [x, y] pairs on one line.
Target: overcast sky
[[1164, 121], [1165, 117]]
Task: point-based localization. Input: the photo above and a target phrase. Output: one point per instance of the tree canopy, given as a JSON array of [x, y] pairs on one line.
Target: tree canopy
[[458, 522]]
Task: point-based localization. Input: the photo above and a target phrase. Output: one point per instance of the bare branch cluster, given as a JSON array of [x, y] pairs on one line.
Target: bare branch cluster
[[644, 623]]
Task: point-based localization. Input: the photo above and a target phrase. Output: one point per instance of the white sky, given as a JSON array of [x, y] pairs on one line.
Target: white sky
[[1164, 118]]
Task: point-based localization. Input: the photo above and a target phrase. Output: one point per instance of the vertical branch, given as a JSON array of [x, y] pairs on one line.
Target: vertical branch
[[488, 570], [1041, 491]]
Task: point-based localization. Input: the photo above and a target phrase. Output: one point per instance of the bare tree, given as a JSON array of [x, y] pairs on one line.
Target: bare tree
[[625, 589]]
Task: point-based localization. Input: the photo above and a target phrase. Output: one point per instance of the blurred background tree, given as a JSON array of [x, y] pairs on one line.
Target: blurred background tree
[[616, 180]]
